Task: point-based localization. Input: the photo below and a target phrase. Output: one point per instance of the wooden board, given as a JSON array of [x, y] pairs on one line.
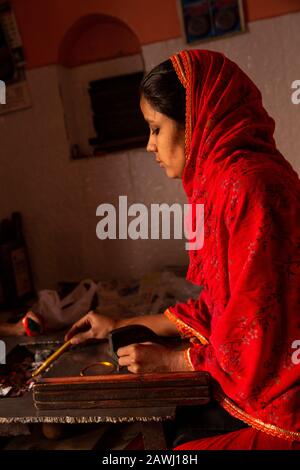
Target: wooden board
[[61, 387]]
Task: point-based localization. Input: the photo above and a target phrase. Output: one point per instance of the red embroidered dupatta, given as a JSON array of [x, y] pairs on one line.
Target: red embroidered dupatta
[[248, 315]]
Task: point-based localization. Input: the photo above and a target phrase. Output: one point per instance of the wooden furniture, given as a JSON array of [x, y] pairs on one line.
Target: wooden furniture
[[61, 386], [62, 396], [122, 391]]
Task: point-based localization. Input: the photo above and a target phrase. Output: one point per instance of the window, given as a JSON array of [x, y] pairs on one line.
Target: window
[[117, 118]]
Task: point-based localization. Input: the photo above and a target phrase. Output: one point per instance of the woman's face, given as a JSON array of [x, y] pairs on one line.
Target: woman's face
[[166, 140]]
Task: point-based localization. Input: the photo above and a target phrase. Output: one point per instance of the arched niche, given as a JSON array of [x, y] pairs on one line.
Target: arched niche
[[96, 47], [96, 38]]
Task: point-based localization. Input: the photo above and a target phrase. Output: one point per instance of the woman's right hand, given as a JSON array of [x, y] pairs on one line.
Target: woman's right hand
[[91, 326]]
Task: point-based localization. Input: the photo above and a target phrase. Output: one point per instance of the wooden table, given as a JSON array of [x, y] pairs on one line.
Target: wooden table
[[16, 414]]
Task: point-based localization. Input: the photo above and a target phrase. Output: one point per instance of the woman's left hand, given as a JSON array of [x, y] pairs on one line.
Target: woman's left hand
[[150, 357]]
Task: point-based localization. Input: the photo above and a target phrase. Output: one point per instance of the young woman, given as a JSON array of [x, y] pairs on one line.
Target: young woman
[[209, 128]]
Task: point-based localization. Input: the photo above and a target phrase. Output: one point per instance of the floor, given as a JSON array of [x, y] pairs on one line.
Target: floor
[[77, 437]]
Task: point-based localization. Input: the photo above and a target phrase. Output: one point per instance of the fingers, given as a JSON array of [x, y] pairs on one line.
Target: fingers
[[135, 349], [135, 369], [71, 332], [145, 357], [127, 355], [136, 358], [81, 337], [82, 324]]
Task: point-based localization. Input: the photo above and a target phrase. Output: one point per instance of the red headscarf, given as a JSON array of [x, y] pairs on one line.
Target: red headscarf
[[248, 314]]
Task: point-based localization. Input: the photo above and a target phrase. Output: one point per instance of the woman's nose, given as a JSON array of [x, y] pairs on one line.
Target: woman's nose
[[151, 146]]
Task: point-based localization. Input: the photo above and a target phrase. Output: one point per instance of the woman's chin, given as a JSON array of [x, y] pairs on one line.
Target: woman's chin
[[171, 173]]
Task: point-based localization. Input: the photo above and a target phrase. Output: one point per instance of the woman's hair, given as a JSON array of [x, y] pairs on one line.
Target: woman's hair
[[162, 88]]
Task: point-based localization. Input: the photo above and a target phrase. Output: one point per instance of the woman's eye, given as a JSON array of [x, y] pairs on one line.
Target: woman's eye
[[155, 131]]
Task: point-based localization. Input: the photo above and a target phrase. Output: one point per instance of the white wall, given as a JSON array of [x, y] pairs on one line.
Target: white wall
[[58, 197], [74, 86]]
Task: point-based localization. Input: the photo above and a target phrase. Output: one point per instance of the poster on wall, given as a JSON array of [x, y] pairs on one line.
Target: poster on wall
[[210, 19], [12, 63]]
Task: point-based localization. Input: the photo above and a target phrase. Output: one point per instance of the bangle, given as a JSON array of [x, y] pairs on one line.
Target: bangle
[[96, 368], [187, 359]]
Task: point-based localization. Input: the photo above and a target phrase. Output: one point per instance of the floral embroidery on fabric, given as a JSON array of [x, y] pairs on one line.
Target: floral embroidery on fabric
[[249, 266]]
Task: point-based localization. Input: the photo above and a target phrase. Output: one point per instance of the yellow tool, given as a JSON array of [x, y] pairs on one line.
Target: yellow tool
[[51, 358]]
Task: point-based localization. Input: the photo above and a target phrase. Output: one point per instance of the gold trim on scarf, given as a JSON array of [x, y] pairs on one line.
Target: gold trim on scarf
[[255, 423], [179, 68], [183, 68], [189, 102], [220, 396], [187, 331]]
